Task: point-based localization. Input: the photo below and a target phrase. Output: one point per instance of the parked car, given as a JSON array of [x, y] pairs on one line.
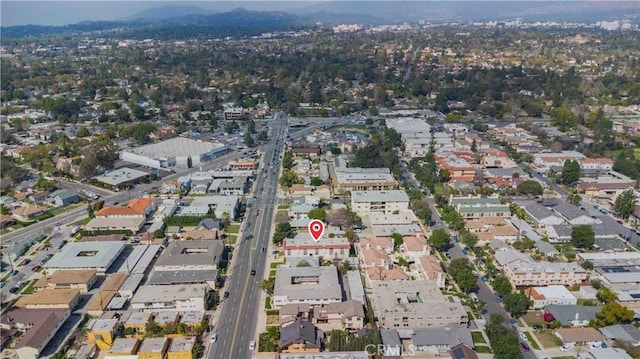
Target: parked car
[[226, 295], [252, 345], [537, 327], [525, 346], [523, 337], [566, 348], [214, 337]]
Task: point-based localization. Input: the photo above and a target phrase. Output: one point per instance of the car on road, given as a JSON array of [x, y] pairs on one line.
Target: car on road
[[14, 289], [523, 336], [498, 299], [2, 284], [456, 239], [525, 346], [264, 250], [448, 255], [14, 272], [253, 272], [537, 327], [483, 278], [252, 345], [214, 337], [36, 268], [465, 251], [226, 295]]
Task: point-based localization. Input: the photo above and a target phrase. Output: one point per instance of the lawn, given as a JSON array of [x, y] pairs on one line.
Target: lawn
[[531, 341], [548, 340], [234, 228], [533, 317], [483, 349], [274, 265], [267, 303], [478, 338], [284, 206], [29, 288], [231, 239], [272, 320]]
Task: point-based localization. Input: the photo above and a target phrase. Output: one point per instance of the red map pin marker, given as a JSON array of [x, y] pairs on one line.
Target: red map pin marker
[[316, 229]]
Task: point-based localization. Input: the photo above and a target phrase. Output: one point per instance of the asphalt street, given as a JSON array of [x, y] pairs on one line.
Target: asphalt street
[[237, 322]]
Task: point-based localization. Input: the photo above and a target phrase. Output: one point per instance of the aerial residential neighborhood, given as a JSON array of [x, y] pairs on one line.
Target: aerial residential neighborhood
[[263, 184]]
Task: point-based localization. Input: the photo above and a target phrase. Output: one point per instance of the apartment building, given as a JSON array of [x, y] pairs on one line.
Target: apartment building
[[528, 274], [414, 304], [328, 248], [363, 202]]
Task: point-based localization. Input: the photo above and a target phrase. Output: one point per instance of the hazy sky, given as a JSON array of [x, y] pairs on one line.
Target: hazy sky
[[22, 12]]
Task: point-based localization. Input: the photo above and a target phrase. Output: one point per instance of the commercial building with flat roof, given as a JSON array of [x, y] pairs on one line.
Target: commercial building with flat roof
[[178, 151], [153, 348], [190, 254], [170, 297], [86, 255], [388, 201], [306, 285], [415, 304], [121, 176]]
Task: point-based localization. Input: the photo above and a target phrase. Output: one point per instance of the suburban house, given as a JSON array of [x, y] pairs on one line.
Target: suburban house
[[64, 197], [300, 337], [572, 315], [347, 315], [575, 336], [27, 212], [542, 216], [553, 294], [439, 341]]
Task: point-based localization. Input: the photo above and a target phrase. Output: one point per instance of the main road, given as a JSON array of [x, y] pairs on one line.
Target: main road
[[237, 322]]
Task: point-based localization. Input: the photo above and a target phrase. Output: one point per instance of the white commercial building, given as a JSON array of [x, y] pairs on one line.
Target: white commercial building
[[178, 151], [553, 294], [86, 255]]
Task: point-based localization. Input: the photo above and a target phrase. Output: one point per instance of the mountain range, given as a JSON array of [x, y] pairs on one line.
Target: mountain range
[[221, 19]]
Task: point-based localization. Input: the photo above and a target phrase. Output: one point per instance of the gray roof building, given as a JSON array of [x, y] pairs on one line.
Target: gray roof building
[[306, 285], [164, 277], [86, 255], [301, 332], [572, 314], [444, 338], [573, 214], [190, 255], [542, 215], [622, 332]]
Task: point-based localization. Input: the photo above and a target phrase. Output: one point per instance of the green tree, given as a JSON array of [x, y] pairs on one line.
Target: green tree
[[397, 240], [4, 209], [316, 181], [614, 313], [440, 239], [574, 198], [461, 271], [625, 203], [268, 284], [444, 175], [501, 285], [563, 118], [469, 239], [90, 211], [287, 160], [530, 187], [251, 127], [283, 230], [516, 303], [606, 295], [289, 178], [317, 213], [570, 172], [582, 236], [82, 132], [504, 340], [248, 140]]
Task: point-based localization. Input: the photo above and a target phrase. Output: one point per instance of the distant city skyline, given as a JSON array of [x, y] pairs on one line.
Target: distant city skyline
[[57, 13]]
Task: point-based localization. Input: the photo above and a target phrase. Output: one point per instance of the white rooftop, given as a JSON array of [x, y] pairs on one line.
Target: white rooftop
[[121, 175], [379, 196], [176, 147], [86, 255]]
